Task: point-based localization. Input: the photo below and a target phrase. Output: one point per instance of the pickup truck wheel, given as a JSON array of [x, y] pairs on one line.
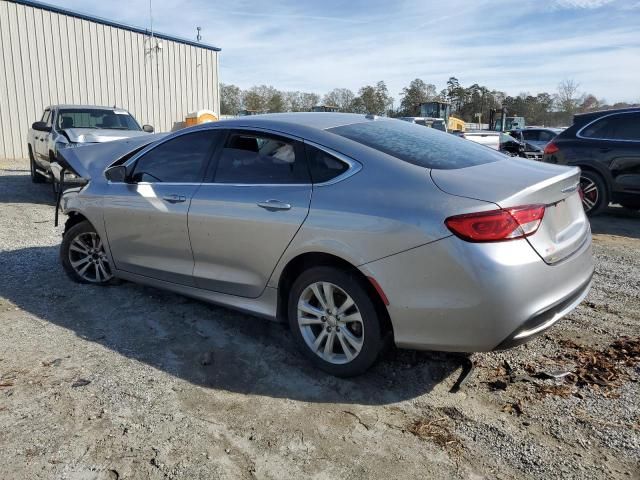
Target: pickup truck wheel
[[35, 176], [83, 256]]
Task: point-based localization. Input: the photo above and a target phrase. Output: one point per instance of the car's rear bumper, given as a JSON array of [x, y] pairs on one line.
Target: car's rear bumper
[[454, 295]]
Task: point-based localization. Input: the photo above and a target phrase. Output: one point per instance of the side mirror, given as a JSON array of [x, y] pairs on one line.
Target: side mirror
[[117, 173], [41, 126], [147, 128]]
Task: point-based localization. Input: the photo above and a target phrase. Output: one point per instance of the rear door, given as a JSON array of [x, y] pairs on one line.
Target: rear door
[[146, 218], [616, 140], [245, 215]]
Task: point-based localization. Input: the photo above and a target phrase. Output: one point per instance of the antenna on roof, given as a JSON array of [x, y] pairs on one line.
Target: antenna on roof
[[198, 36]]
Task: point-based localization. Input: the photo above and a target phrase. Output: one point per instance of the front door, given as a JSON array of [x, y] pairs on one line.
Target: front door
[[146, 218], [242, 219], [41, 140]]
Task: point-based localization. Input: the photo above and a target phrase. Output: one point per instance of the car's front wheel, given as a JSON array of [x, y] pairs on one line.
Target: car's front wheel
[[334, 321], [593, 192], [84, 257]]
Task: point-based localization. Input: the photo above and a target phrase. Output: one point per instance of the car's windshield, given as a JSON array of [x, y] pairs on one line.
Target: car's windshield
[[96, 118], [426, 147]]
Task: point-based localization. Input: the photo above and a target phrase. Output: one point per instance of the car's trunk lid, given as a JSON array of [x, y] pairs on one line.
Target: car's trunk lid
[[518, 182]]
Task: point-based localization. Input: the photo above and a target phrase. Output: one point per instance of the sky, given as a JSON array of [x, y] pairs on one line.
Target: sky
[[512, 46]]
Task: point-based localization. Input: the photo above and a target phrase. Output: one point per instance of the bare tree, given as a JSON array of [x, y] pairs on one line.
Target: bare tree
[[341, 98], [568, 98]]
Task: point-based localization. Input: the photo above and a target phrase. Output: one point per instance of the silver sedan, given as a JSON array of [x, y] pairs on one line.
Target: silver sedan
[[356, 230]]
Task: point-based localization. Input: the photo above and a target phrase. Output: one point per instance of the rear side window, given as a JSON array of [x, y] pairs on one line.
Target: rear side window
[[254, 158], [180, 160], [546, 135], [624, 126], [323, 166], [425, 147]]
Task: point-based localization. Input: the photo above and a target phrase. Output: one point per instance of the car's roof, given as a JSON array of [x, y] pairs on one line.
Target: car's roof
[[88, 107], [318, 120], [585, 117]]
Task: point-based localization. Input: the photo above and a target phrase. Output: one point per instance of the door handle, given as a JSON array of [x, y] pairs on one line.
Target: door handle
[[274, 205], [605, 150], [174, 198]]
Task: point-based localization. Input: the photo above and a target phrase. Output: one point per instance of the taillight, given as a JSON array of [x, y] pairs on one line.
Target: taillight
[[551, 148], [497, 225]]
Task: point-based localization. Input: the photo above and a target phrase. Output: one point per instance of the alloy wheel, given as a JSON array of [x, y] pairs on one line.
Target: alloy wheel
[[330, 322], [89, 259], [589, 193]]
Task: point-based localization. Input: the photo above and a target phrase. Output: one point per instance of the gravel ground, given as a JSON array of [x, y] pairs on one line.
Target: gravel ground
[[132, 382]]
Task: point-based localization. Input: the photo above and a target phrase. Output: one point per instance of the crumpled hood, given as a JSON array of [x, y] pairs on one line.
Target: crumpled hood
[[99, 135], [90, 160]]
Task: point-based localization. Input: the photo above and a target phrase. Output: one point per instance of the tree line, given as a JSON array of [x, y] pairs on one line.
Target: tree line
[[471, 104]]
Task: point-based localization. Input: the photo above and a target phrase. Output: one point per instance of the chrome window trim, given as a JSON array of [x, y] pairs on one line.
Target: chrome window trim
[[354, 165], [579, 132], [169, 137]]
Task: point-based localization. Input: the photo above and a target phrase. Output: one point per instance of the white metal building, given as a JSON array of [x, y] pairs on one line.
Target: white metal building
[[54, 56]]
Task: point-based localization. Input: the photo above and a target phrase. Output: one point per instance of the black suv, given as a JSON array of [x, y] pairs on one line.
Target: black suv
[[606, 146]]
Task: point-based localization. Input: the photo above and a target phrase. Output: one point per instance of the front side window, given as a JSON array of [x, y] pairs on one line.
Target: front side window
[[255, 158], [626, 127], [46, 117], [425, 147], [180, 160], [530, 135], [96, 118]]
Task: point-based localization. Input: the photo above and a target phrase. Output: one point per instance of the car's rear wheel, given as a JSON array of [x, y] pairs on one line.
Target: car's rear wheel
[[35, 176], [334, 321], [593, 192], [84, 257]]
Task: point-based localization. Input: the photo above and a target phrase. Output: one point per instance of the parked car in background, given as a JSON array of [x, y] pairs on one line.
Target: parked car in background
[[356, 230], [500, 141], [64, 126], [536, 136], [606, 147]]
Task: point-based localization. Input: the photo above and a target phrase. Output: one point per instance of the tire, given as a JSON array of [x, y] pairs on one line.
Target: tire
[[356, 344], [593, 192], [83, 256], [35, 176]]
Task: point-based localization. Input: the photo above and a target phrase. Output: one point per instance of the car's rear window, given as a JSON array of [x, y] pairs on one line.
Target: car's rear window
[[419, 145]]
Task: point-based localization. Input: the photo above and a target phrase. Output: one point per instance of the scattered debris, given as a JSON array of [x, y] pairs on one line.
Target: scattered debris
[[81, 382], [557, 390], [52, 363], [513, 407], [357, 418], [436, 431], [601, 369], [552, 375], [498, 385], [467, 368], [6, 384]]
